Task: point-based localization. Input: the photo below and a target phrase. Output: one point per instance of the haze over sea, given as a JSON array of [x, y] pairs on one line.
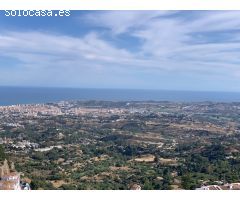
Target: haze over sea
[[28, 95]]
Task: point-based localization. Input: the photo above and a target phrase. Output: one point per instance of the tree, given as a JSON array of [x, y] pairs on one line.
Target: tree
[[147, 185], [215, 152], [188, 182], [2, 153]]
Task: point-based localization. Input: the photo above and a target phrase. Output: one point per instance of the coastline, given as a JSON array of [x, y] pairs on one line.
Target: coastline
[[31, 95]]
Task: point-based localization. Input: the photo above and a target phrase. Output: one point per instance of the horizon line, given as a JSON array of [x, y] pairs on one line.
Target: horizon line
[[103, 88]]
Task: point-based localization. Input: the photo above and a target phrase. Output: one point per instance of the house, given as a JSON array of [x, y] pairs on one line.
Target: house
[[135, 187], [9, 178], [228, 186], [10, 181]]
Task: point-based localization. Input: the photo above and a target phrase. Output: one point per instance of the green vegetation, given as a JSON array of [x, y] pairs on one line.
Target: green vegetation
[[159, 146], [2, 153]]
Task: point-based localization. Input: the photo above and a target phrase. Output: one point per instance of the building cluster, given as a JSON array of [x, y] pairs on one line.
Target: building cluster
[[23, 145], [53, 110], [30, 110], [18, 145], [6, 140], [228, 186], [95, 111]]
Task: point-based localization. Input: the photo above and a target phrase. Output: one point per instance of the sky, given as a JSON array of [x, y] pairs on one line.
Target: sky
[[170, 50]]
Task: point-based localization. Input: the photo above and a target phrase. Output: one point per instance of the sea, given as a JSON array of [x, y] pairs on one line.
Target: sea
[[31, 95]]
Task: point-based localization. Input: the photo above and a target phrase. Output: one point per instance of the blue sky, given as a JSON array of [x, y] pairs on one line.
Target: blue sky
[[173, 50]]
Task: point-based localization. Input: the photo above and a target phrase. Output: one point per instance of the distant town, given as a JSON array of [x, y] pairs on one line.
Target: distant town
[[148, 145]]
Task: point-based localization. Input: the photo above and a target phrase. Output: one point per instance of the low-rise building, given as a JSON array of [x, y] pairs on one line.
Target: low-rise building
[[10, 179], [228, 186]]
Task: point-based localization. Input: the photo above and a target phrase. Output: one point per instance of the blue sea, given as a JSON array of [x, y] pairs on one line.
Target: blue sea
[[24, 95]]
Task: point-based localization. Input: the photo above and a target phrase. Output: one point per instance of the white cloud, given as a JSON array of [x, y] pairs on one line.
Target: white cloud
[[32, 47], [121, 21], [173, 42], [216, 21]]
